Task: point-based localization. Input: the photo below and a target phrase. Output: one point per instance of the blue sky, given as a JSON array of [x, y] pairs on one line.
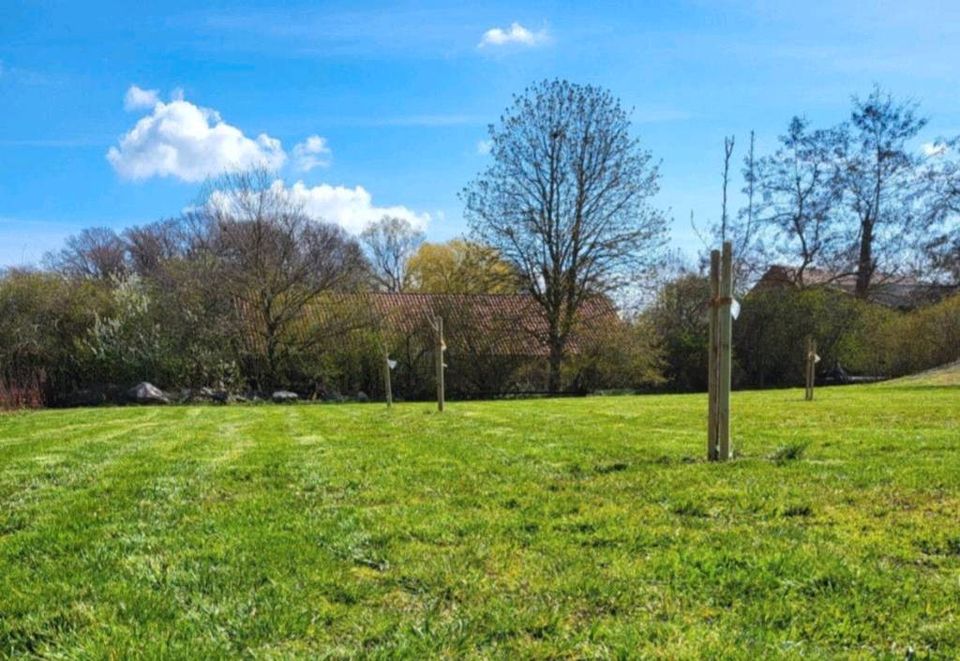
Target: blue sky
[[388, 102]]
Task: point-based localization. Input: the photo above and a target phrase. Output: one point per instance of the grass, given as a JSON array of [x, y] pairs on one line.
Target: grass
[[946, 375], [542, 528]]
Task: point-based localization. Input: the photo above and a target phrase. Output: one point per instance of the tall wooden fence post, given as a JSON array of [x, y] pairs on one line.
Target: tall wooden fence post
[[725, 327], [441, 347], [720, 352], [712, 450]]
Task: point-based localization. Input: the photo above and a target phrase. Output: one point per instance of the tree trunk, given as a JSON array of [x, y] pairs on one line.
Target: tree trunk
[[556, 361], [865, 261]]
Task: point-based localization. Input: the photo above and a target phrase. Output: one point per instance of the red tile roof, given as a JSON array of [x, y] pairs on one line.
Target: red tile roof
[[491, 324]]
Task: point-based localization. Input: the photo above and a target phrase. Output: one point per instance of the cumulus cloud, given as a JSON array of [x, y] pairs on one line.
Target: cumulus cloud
[[179, 139], [312, 153], [138, 98], [516, 34], [182, 140], [351, 208]]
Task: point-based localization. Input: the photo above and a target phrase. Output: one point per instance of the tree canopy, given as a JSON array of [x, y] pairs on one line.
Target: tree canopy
[[566, 200]]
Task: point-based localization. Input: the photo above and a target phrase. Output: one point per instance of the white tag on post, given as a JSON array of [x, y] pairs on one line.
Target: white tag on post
[[735, 308], [391, 363]]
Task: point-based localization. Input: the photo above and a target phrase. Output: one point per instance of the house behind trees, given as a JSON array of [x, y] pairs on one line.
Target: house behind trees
[[497, 344], [903, 293]]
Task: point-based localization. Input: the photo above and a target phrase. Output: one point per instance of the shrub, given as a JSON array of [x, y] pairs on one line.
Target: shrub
[[679, 320], [26, 393], [769, 337], [622, 355], [911, 342], [42, 317]]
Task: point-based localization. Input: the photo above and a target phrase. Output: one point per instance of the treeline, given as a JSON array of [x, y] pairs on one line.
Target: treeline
[[854, 336], [862, 200], [848, 213], [245, 294]]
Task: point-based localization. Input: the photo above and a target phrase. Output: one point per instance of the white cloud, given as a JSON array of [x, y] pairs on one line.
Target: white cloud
[[312, 153], [179, 139], [351, 208], [138, 98], [182, 140], [515, 34], [484, 147], [934, 148]]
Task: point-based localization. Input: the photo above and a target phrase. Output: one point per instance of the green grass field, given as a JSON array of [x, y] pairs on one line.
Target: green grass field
[[546, 528]]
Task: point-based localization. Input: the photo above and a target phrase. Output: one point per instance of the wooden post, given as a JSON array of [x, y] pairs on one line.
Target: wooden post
[[712, 374], [725, 350], [441, 347], [388, 390], [811, 367], [814, 359]]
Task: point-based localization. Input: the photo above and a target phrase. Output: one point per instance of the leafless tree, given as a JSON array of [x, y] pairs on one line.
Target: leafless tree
[[150, 246], [389, 243], [96, 253], [941, 179], [567, 201], [880, 179], [728, 143], [800, 190], [748, 244], [272, 259]]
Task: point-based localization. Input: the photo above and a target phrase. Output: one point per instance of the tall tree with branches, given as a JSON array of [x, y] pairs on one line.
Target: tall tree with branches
[[97, 253], [390, 243], [941, 184], [881, 181], [800, 194], [273, 260], [567, 202]]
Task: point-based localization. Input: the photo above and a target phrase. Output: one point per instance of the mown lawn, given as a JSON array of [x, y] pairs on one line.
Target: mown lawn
[[571, 528]]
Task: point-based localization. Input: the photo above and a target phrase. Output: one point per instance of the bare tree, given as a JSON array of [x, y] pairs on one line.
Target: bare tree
[[389, 243], [881, 185], [566, 200], [272, 259], [150, 246], [800, 193], [748, 245], [941, 177], [96, 253], [727, 153], [750, 180], [740, 229]]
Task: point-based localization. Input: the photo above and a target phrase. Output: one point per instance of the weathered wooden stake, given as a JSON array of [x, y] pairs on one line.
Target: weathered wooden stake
[[721, 336], [441, 347], [725, 327], [388, 389], [712, 450], [811, 367]]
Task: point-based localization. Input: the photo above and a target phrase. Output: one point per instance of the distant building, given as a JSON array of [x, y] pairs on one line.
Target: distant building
[[498, 342], [899, 293]]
